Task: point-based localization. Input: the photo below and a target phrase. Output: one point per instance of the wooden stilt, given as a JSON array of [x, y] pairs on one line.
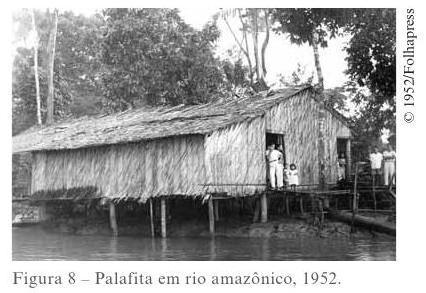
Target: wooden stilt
[[151, 217], [211, 216], [374, 192], [256, 211], [216, 210], [321, 210], [348, 159], [263, 208], [301, 205], [163, 218], [354, 203], [42, 215], [113, 219], [287, 205]]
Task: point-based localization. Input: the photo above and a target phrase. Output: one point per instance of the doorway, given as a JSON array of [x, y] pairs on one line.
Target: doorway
[[277, 139]]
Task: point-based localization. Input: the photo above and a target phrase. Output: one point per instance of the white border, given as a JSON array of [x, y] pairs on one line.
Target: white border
[[404, 274]]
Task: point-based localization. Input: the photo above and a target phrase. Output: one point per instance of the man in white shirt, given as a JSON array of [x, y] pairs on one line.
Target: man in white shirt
[[376, 159], [273, 157], [389, 158]]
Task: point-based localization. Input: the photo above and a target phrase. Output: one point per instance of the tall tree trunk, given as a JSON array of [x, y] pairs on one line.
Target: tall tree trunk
[[245, 50], [265, 44], [254, 30], [51, 62], [36, 68], [321, 118]]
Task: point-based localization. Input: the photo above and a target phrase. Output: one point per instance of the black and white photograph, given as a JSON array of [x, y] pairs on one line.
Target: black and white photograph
[[204, 134]]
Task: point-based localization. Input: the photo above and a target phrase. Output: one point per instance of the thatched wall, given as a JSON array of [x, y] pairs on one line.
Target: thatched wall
[[138, 170], [235, 158], [226, 157], [297, 119], [21, 174]]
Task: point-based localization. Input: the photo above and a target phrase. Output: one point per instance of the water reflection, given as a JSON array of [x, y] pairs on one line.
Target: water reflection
[[35, 244]]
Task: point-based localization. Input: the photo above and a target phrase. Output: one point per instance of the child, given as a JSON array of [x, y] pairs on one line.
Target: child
[[293, 177], [341, 165]]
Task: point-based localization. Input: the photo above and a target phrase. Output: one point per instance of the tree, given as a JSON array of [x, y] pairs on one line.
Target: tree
[[372, 65], [35, 60], [313, 26], [75, 67], [50, 63], [152, 56], [24, 106], [253, 21]]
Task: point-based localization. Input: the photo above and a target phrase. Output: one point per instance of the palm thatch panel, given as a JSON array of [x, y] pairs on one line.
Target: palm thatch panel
[[139, 170], [297, 120], [235, 161], [148, 123]]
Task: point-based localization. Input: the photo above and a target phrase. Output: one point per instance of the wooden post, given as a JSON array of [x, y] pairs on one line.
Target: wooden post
[[113, 219], [151, 217], [256, 211], [348, 159], [287, 205], [163, 218], [354, 203], [374, 190], [42, 214], [216, 210], [321, 210], [211, 216], [301, 204], [263, 208]]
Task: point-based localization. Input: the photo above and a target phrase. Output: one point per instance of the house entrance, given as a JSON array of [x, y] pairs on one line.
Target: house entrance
[[278, 140]]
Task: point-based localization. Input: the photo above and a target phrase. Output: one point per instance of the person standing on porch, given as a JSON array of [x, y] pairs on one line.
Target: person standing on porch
[[341, 167], [275, 172], [281, 165], [376, 159], [389, 158], [293, 177]]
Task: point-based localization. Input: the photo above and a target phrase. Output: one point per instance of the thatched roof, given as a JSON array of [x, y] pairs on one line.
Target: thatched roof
[[148, 123]]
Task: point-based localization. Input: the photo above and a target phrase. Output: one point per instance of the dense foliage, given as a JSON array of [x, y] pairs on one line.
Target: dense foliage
[[372, 65], [371, 58], [152, 56], [299, 23], [24, 92], [75, 71]]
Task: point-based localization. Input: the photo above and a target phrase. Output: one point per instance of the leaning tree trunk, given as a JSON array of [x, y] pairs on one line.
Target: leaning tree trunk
[[36, 69], [265, 44], [51, 63], [321, 118]]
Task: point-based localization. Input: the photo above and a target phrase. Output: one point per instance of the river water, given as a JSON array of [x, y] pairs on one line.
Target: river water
[[31, 243]]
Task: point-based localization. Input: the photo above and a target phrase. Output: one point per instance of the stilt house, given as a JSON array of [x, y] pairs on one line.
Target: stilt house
[[185, 150]]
